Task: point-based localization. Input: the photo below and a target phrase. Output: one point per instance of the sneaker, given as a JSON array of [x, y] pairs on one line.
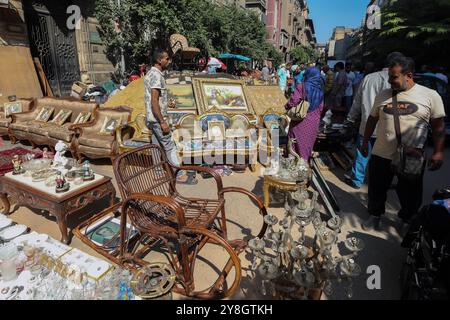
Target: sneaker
[[372, 223]]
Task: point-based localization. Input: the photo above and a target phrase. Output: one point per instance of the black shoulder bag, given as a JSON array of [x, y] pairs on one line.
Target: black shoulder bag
[[409, 162]]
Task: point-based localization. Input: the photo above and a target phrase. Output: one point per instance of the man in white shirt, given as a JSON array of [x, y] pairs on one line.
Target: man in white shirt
[[418, 108], [351, 77], [371, 85], [156, 105]]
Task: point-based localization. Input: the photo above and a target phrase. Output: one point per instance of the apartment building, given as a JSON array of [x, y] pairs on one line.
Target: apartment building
[[289, 25], [339, 43]]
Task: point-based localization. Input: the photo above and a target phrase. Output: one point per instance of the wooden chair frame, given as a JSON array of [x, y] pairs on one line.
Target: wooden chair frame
[[163, 217]]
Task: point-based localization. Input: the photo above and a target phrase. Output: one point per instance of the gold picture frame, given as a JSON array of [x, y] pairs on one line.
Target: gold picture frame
[[44, 114], [183, 96], [12, 107], [109, 125], [61, 117], [82, 117], [222, 94], [216, 131], [263, 98]]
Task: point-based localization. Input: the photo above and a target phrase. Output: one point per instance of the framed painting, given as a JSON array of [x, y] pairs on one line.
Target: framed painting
[[222, 94], [12, 107], [44, 114], [263, 98], [61, 117], [216, 131], [182, 95], [82, 117]]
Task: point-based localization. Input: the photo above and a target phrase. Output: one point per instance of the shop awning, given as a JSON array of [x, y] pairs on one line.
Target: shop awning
[[233, 56]]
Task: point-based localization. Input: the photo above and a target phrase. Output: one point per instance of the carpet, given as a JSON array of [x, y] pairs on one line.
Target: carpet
[[7, 156]]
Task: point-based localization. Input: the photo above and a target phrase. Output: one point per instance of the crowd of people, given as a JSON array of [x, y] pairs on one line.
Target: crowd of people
[[390, 112]]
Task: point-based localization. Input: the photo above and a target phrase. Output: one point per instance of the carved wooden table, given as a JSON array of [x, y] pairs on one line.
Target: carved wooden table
[[271, 181], [37, 196]]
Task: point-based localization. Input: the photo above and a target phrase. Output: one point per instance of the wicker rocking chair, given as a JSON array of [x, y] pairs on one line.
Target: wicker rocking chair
[[186, 230]]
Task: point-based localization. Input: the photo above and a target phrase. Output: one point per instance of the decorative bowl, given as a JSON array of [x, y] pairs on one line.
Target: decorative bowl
[[72, 175], [43, 175], [37, 164]]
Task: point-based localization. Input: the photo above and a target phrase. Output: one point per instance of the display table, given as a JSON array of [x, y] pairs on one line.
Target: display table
[[272, 181], [36, 195], [54, 286]]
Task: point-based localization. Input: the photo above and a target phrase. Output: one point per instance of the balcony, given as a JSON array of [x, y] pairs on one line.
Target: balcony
[[261, 4]]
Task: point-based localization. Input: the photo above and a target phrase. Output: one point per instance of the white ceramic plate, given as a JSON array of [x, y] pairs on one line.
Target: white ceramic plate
[[38, 239], [98, 268], [4, 223], [23, 238], [12, 232]]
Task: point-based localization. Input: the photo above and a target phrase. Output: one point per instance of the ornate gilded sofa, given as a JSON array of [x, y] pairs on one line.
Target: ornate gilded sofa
[[134, 134], [217, 137], [97, 138], [5, 121], [24, 125]]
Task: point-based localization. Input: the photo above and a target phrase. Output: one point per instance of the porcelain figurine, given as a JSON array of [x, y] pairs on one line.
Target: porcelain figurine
[[17, 165], [60, 159], [61, 184], [47, 154], [88, 173]]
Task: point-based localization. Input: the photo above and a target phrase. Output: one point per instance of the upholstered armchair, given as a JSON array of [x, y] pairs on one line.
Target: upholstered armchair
[[97, 138], [23, 105], [181, 52], [134, 134]]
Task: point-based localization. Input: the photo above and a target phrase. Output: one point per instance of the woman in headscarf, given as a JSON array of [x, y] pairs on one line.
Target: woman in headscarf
[[305, 131]]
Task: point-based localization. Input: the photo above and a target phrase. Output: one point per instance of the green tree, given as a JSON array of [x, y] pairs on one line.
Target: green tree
[[212, 28], [418, 28], [303, 54]]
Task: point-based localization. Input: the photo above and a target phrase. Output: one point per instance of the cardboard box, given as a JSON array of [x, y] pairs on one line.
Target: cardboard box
[[78, 90]]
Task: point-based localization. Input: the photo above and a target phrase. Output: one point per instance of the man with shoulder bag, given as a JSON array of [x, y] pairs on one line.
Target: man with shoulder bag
[[404, 114]]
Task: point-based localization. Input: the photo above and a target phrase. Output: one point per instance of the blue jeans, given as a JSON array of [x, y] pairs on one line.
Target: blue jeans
[[361, 162], [165, 141]]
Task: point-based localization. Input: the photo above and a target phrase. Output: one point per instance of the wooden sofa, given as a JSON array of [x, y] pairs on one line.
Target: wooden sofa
[[24, 125]]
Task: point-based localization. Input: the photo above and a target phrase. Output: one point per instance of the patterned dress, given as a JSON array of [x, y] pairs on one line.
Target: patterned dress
[[305, 131]]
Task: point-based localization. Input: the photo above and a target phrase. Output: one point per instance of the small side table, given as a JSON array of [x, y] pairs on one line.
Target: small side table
[[271, 181], [36, 195]]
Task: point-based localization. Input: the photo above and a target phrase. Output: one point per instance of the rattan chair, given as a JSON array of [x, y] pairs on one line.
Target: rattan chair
[[185, 229]]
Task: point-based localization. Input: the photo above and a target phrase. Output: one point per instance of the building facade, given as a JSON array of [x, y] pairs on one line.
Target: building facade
[[259, 7], [339, 43], [288, 25], [64, 53]]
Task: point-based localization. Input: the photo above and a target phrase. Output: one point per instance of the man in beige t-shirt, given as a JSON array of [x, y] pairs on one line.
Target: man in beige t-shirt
[[418, 108]]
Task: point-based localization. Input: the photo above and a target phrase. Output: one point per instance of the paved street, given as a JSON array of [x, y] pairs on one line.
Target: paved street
[[381, 248]]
